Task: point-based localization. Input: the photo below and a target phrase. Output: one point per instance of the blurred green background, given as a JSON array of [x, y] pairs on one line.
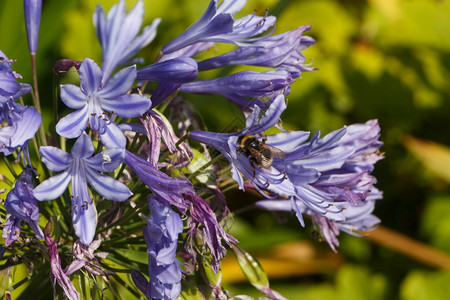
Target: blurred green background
[[383, 59]]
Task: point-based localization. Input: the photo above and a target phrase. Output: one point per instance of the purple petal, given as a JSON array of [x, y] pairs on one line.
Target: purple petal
[[90, 76], [177, 70], [84, 217], [53, 187], [106, 161], [107, 186], [54, 158], [287, 141], [271, 117], [127, 106], [73, 96], [32, 9], [113, 137], [27, 127], [74, 124], [83, 147], [119, 84]]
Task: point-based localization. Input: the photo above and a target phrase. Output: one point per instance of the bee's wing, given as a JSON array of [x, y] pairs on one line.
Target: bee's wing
[[276, 153], [261, 159]]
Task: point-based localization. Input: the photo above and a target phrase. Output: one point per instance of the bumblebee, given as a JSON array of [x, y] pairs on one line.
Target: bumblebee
[[259, 153]]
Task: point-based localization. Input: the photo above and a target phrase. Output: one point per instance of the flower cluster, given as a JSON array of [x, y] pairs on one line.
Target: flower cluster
[[129, 150]]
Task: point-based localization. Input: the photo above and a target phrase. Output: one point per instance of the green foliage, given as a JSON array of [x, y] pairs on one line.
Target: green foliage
[[377, 59], [421, 285]]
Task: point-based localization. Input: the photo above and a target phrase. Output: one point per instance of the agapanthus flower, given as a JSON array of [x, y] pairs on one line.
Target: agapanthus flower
[[237, 87], [158, 128], [170, 189], [86, 257], [212, 233], [170, 74], [282, 51], [95, 103], [339, 165], [227, 144], [32, 9], [118, 34], [310, 172], [218, 25], [23, 122], [11, 230], [57, 274], [22, 205], [79, 168], [161, 235]]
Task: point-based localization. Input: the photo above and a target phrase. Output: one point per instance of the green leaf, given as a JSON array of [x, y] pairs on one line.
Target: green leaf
[[420, 285], [436, 224], [251, 268], [435, 157]]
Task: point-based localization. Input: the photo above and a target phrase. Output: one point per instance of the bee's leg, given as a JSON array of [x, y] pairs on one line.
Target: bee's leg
[[264, 139]]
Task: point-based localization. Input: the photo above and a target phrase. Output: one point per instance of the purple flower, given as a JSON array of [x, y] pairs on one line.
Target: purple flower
[[10, 89], [218, 25], [237, 87], [11, 230], [177, 70], [118, 34], [161, 236], [85, 257], [32, 9], [21, 204], [78, 168], [227, 143], [25, 122], [282, 51], [95, 102], [170, 189], [170, 74], [57, 273], [203, 219], [157, 128]]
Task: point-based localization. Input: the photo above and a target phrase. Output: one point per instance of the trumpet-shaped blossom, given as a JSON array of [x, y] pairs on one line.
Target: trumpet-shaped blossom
[[227, 144], [95, 103], [237, 87], [79, 168], [25, 122], [118, 34], [170, 189], [311, 172], [32, 9], [179, 192], [218, 25], [161, 236], [22, 205], [282, 51], [170, 74]]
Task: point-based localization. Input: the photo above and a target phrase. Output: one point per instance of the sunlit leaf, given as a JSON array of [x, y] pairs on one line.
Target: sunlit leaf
[[435, 157], [420, 285]]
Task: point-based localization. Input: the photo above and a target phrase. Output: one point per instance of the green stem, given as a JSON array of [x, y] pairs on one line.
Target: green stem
[[36, 101]]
